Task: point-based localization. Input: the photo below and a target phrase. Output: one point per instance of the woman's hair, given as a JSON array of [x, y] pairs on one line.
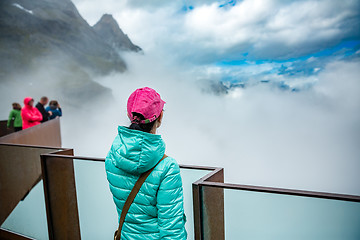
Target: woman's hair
[[54, 103], [145, 127], [16, 106]]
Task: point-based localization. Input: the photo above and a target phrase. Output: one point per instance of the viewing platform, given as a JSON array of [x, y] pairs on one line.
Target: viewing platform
[[47, 192]]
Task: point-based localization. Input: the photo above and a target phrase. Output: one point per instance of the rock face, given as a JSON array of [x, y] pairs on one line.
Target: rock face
[[47, 41], [108, 28], [29, 29]]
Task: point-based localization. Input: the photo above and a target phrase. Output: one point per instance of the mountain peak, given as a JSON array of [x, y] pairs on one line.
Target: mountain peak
[[109, 30], [107, 19]]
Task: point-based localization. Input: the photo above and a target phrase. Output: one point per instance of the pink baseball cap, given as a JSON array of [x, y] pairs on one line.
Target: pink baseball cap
[[147, 102]]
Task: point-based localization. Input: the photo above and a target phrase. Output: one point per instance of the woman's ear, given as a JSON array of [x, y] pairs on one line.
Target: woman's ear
[[158, 124]]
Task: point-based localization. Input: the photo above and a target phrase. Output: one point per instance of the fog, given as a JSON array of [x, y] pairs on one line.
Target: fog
[[261, 135]]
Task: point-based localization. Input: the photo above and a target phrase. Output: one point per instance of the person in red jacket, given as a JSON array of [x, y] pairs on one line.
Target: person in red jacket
[[31, 116]]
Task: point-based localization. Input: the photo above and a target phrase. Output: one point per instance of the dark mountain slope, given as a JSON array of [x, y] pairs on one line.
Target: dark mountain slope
[[29, 29], [47, 44]]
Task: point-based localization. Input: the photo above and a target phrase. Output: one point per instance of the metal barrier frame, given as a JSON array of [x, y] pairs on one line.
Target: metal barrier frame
[[210, 200], [9, 235], [57, 230], [214, 227]]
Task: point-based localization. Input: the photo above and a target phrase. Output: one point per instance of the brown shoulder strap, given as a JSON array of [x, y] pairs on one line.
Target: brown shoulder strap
[[132, 196]]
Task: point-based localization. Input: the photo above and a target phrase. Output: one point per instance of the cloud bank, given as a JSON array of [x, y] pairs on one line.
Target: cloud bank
[[251, 29], [250, 41], [261, 136]]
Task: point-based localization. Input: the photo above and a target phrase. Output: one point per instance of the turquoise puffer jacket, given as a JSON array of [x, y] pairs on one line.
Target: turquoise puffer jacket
[[157, 211]]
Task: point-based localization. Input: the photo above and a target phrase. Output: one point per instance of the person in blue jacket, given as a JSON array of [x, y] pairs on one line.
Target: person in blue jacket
[[157, 211], [54, 108]]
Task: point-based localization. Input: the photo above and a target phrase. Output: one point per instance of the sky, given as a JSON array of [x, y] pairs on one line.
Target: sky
[[249, 41]]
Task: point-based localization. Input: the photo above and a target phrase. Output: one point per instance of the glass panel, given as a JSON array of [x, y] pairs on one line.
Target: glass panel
[[190, 176], [29, 216], [255, 216], [97, 211]]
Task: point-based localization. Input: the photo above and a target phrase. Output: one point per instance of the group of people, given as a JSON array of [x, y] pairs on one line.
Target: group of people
[[29, 116]]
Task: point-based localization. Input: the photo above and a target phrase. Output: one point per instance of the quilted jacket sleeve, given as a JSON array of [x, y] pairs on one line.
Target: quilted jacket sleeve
[[11, 116], [170, 204]]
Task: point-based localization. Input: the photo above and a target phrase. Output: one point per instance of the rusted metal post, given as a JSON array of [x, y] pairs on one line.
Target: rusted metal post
[[197, 211], [60, 197], [208, 204], [213, 208]]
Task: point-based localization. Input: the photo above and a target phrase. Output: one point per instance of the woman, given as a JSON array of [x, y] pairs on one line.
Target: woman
[[157, 211], [30, 114], [54, 108], [15, 115]]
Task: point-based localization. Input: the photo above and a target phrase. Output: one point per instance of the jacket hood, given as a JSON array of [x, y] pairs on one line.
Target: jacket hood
[[136, 151], [27, 100]]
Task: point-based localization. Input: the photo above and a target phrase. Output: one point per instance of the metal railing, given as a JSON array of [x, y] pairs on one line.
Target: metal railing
[[209, 195], [57, 183]]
